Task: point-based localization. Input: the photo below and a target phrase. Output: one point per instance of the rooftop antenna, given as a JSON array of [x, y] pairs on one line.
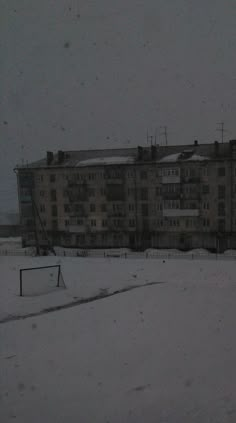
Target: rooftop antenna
[[156, 136], [22, 152], [222, 130], [165, 134], [149, 138]]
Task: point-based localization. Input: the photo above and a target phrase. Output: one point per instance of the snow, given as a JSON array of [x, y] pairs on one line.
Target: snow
[[176, 157], [170, 158], [197, 157], [161, 353], [12, 242], [116, 160]]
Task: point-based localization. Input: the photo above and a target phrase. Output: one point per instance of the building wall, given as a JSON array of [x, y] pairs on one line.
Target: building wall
[[180, 204]]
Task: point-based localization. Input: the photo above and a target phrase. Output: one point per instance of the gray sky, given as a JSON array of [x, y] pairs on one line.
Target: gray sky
[[94, 74]]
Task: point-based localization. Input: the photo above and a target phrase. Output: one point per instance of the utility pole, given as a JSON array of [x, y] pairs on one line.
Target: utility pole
[[222, 130], [165, 134]]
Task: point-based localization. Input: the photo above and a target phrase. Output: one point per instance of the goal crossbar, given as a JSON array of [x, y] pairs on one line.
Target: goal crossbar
[[58, 266]]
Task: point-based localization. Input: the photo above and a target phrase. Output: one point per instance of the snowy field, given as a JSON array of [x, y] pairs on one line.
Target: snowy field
[[164, 352]]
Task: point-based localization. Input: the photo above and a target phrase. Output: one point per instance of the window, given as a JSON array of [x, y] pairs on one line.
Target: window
[[132, 223], [221, 225], [204, 171], [103, 207], [221, 171], [205, 205], [221, 209], [67, 222], [186, 172], [144, 194], [143, 174], [92, 208], [93, 222], [91, 176], [158, 207], [80, 222], [91, 192], [66, 193], [169, 172], [66, 208], [42, 208], [54, 210], [29, 222], [221, 191], [104, 223], [131, 191], [171, 204], [103, 191], [41, 193], [117, 223], [174, 222], [53, 195], [41, 178], [52, 178], [54, 225], [131, 207], [205, 189], [171, 188], [130, 174], [158, 190], [145, 209], [206, 223], [92, 238]]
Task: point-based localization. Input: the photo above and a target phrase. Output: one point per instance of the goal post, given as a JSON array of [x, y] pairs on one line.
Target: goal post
[[40, 280]]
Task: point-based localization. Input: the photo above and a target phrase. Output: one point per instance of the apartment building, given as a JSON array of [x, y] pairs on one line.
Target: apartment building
[[180, 196]]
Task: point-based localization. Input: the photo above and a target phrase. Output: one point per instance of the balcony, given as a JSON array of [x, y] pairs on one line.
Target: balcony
[[76, 228], [181, 212], [171, 179]]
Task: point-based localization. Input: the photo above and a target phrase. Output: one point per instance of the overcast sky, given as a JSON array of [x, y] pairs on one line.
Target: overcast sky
[[93, 74]]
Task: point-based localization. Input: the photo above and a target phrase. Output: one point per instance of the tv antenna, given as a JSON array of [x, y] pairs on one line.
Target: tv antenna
[[149, 138], [222, 130], [165, 134]]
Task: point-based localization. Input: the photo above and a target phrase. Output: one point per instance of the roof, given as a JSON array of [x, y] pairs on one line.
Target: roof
[[122, 156], [178, 157]]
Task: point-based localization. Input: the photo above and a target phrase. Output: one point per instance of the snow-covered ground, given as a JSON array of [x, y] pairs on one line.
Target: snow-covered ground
[[158, 353]]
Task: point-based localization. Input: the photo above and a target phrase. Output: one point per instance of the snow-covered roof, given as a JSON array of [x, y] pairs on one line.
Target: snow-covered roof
[[196, 157], [113, 160], [170, 158], [175, 157]]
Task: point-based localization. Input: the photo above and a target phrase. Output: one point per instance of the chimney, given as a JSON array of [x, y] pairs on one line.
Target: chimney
[[49, 157], [61, 156], [140, 153], [153, 152], [196, 143]]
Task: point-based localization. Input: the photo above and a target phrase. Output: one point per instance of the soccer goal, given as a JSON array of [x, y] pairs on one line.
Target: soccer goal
[[40, 280]]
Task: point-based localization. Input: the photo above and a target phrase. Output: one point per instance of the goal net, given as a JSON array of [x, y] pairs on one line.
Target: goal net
[[40, 280]]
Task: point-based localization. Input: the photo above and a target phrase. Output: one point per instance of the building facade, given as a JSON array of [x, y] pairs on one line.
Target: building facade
[[161, 197]]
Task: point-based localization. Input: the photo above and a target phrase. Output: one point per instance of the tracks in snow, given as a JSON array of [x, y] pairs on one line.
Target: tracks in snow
[[100, 296]]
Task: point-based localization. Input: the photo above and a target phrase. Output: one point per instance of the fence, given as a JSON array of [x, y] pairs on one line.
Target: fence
[[126, 254]]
